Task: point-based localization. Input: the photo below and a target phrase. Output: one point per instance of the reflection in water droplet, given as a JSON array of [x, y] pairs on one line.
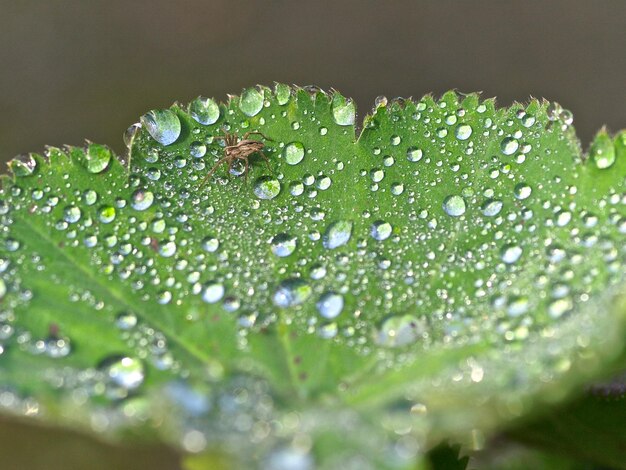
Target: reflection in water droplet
[[399, 330], [283, 244], [413, 154], [491, 208], [343, 110], [163, 125], [204, 110], [267, 187], [509, 146], [71, 214], [210, 244], [212, 292], [97, 158], [330, 305], [511, 253], [106, 214], [126, 320], [522, 191], [381, 230], [283, 93], [337, 234], [463, 131], [454, 205], [251, 102], [294, 153], [291, 292], [142, 200], [123, 371]]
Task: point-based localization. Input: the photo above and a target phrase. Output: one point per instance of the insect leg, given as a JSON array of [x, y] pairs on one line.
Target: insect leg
[[267, 161], [247, 134], [215, 167]]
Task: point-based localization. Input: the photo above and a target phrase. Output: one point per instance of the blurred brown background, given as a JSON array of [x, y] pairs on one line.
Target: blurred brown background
[[78, 69]]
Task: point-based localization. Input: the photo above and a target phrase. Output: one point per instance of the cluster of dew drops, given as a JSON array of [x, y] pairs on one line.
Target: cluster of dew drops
[[501, 219]]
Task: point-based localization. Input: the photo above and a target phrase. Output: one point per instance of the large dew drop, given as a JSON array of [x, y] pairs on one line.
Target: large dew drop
[[283, 244], [97, 158], [267, 187], [344, 111], [294, 153], [291, 292], [454, 205], [337, 234], [399, 330], [330, 305], [123, 371], [204, 110], [251, 102], [163, 125]]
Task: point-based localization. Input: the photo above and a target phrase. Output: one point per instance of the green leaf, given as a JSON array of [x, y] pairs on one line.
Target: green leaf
[[454, 268]]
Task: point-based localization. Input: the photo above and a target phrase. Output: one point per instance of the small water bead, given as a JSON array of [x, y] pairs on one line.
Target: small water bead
[[344, 111], [509, 146], [337, 234], [97, 158], [381, 230], [90, 197], [126, 321], [142, 200], [106, 214], [283, 244], [323, 130], [511, 253], [397, 189], [559, 307], [123, 371], [23, 165], [463, 131], [291, 292], [395, 140], [491, 208], [283, 93], [377, 175], [414, 154], [197, 149], [204, 110], [71, 214], [293, 153], [330, 305], [130, 133], [167, 249], [522, 191], [212, 292], [602, 151], [454, 205], [399, 331], [163, 125], [267, 187], [210, 244], [317, 272], [323, 183], [296, 188], [251, 102], [56, 347]]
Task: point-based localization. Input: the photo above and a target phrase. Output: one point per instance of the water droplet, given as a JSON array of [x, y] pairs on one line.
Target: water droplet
[[106, 214], [142, 200], [381, 230], [492, 207], [283, 93], [267, 187], [123, 371], [294, 153], [463, 131], [291, 292], [413, 154], [212, 292], [522, 191], [197, 149], [204, 110], [509, 146], [602, 150], [399, 330], [511, 253], [330, 305], [97, 158], [337, 234], [23, 165], [559, 307], [454, 205], [167, 249], [210, 244], [126, 320], [343, 110], [251, 102], [283, 244], [163, 125], [71, 214]]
